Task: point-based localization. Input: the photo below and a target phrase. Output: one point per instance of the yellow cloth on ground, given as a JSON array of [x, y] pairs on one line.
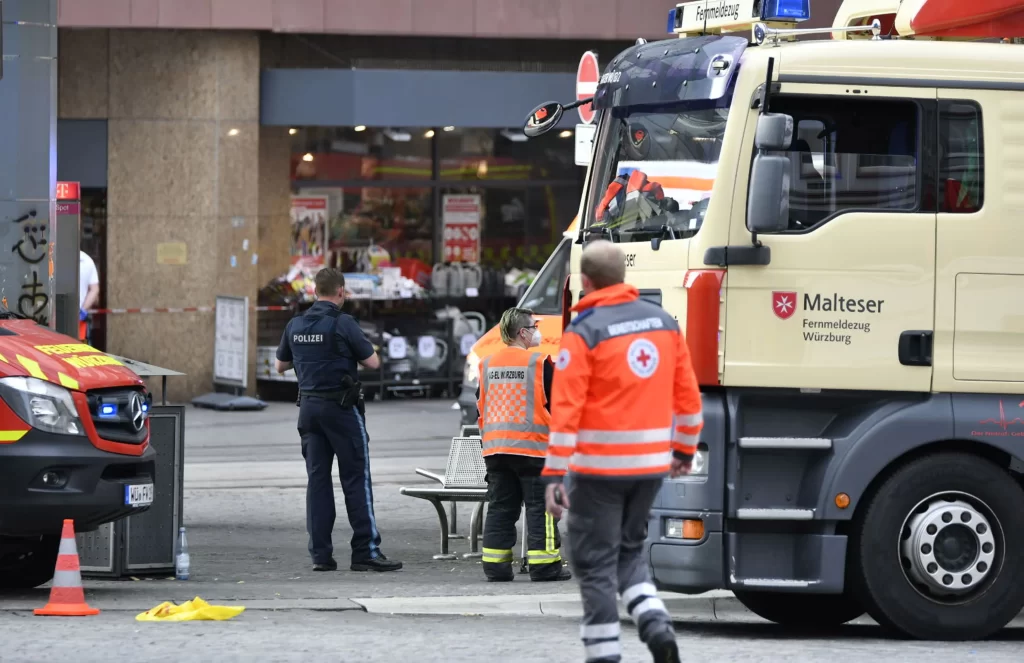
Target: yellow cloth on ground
[[195, 610]]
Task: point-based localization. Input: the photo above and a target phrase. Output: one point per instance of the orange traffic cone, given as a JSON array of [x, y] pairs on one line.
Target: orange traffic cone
[[67, 598]]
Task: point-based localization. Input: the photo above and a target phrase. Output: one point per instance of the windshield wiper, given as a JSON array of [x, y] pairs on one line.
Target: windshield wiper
[[658, 229], [609, 233]]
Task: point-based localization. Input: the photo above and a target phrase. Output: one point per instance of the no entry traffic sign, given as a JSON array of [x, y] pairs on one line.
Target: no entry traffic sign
[[586, 84]]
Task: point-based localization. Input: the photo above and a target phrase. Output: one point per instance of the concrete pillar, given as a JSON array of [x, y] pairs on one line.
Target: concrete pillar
[[183, 170], [28, 157]]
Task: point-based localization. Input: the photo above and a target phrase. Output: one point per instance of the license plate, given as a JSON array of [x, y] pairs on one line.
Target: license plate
[[140, 495]]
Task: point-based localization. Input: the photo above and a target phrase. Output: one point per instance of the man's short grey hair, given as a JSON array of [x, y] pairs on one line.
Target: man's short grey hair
[[603, 263], [512, 322]]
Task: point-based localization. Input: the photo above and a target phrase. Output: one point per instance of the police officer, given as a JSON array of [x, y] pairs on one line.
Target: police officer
[[514, 415], [324, 346]]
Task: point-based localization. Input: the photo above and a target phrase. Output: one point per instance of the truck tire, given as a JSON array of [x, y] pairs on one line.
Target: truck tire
[[28, 563], [938, 553], [802, 611]]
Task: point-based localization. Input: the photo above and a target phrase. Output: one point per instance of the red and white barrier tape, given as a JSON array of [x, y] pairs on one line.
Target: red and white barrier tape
[[187, 309]]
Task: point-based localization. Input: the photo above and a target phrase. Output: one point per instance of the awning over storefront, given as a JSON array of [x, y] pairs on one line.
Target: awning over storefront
[[403, 98]]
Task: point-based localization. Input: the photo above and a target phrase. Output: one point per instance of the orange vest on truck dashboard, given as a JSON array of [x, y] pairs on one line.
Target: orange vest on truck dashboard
[[624, 397], [513, 416]]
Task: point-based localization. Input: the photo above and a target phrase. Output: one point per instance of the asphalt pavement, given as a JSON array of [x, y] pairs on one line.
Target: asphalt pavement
[[245, 514]]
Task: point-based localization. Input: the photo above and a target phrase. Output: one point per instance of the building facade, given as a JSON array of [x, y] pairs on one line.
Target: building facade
[[191, 124]]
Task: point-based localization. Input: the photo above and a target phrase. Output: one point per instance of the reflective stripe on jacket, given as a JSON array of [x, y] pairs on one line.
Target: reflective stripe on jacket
[[513, 415], [624, 396]]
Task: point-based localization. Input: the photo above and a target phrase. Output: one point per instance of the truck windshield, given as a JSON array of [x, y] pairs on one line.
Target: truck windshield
[[655, 171]]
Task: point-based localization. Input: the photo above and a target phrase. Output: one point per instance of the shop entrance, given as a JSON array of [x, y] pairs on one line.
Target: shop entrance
[[438, 231]]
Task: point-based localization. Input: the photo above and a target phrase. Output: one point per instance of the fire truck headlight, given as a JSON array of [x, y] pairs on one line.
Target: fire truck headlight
[[42, 405]]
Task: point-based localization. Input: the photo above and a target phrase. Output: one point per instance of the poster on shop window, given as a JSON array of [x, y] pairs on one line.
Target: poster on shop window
[[309, 230], [460, 219]]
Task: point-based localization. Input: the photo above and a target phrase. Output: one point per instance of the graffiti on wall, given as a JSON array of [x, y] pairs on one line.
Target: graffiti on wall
[[31, 249]]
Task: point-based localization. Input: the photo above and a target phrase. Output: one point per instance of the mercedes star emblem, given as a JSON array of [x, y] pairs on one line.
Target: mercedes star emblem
[[136, 413]]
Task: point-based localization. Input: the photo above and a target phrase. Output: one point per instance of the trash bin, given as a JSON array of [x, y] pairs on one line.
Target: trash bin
[[143, 544]]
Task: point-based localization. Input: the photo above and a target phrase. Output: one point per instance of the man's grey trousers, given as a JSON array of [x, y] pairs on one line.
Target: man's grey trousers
[[607, 526]]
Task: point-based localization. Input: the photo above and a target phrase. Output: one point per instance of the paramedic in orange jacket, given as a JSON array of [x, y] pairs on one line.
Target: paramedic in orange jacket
[[514, 409], [625, 413]]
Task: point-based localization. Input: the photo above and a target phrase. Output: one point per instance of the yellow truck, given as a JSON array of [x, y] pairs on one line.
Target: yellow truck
[[833, 222]]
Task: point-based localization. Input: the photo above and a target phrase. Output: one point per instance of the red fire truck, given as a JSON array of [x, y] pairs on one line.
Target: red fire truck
[[74, 443]]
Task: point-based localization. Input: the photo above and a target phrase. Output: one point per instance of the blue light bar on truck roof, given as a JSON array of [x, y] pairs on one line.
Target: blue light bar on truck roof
[[786, 10], [772, 11]]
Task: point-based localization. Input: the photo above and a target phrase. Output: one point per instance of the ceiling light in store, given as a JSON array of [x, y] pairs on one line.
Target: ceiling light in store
[[361, 127], [514, 136], [232, 132], [293, 131], [398, 136], [565, 134], [429, 133], [307, 157], [449, 128]]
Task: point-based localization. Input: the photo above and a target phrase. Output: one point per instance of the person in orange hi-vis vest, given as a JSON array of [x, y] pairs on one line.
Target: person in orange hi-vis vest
[[625, 413], [513, 402]]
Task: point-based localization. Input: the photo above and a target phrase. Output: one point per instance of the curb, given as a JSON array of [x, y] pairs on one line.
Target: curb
[[681, 606], [135, 606], [716, 606]]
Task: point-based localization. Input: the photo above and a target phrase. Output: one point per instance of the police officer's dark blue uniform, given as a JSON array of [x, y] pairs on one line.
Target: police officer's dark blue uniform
[[325, 346]]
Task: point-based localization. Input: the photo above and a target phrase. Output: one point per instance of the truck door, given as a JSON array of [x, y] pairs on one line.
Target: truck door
[[979, 343], [847, 301]]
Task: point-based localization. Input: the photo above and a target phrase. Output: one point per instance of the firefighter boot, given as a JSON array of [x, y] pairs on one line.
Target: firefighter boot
[[497, 564], [549, 572]]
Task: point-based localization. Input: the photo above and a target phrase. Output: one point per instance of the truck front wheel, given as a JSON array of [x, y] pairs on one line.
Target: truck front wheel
[[938, 553], [27, 562], [802, 611]]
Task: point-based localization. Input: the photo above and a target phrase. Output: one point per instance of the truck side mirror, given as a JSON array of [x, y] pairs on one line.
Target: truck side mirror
[[774, 132], [543, 119], [768, 198]]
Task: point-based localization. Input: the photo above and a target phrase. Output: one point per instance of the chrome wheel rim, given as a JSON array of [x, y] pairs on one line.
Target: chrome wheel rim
[[951, 546]]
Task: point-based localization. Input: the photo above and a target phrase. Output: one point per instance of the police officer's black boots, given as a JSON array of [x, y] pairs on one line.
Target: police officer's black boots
[[329, 565], [379, 563]]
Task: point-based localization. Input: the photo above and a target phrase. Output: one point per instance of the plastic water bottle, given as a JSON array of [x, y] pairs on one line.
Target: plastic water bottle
[[181, 559]]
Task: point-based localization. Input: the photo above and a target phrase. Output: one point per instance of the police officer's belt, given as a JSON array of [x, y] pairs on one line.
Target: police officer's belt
[[348, 398]]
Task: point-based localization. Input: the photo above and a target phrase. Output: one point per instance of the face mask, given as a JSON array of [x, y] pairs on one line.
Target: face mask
[[535, 339]]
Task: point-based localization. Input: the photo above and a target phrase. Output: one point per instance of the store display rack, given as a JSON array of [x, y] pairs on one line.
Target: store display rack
[[420, 353]]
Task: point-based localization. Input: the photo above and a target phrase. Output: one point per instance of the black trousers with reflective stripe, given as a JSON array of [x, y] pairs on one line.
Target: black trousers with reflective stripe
[[511, 482]]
